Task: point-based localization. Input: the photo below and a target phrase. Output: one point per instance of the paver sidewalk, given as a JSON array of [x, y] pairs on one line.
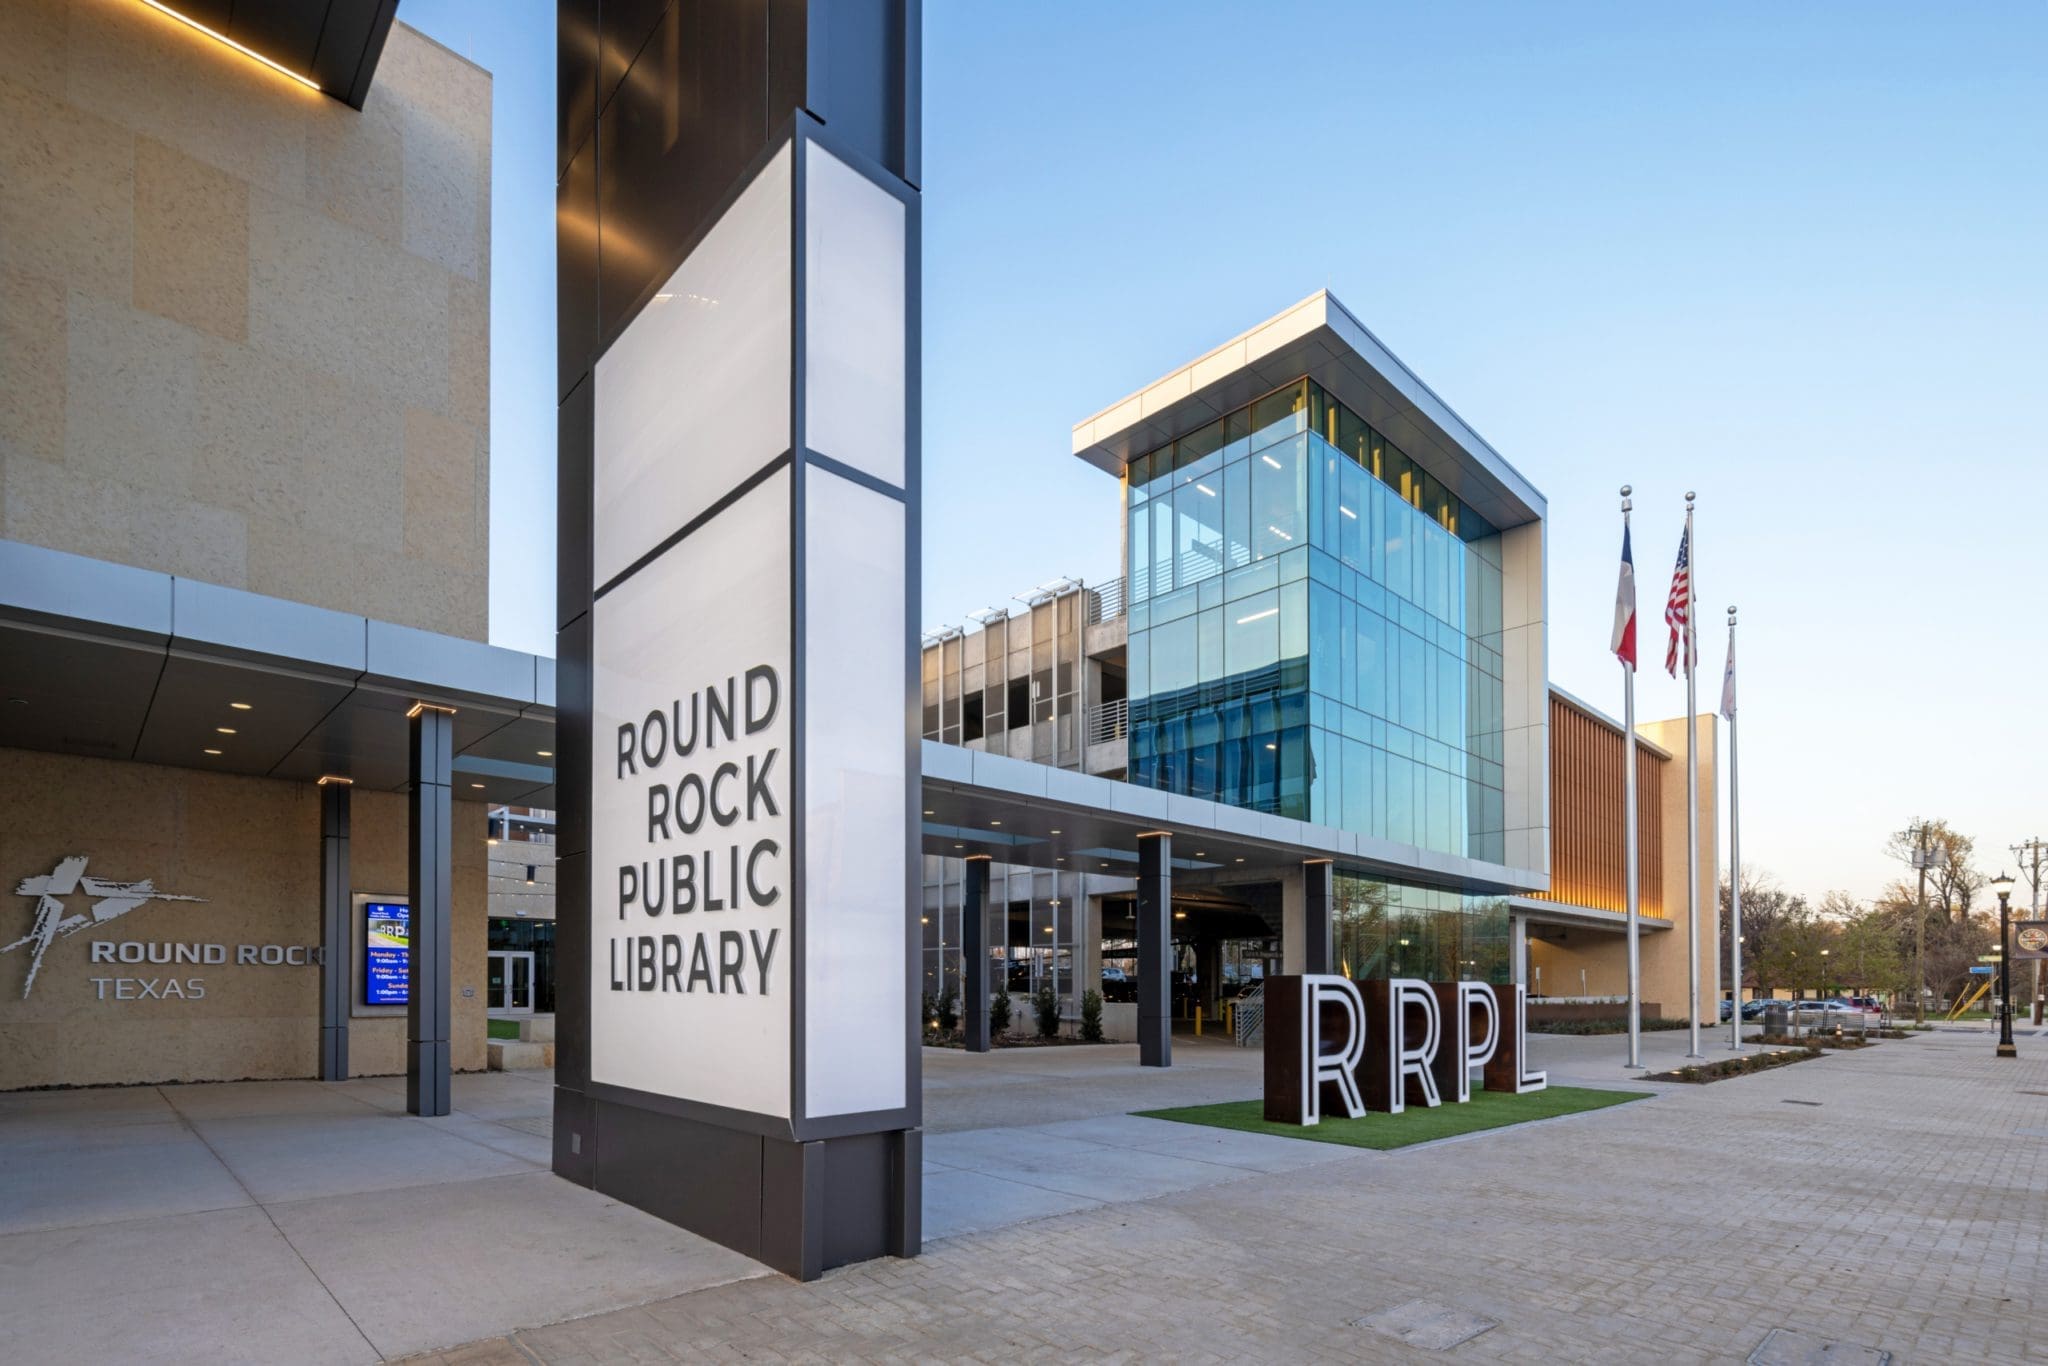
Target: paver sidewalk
[[1902, 1207]]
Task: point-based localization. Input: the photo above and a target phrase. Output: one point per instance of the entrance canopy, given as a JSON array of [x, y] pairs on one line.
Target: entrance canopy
[[1019, 812], [115, 662]]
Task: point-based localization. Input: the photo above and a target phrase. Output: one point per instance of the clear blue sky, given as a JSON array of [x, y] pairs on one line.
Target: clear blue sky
[[1789, 256]]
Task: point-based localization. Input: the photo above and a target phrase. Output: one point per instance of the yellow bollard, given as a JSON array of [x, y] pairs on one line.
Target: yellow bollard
[[1198, 1022]]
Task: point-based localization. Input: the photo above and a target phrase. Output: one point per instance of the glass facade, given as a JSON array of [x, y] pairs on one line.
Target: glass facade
[[1391, 929], [1035, 920], [1315, 629]]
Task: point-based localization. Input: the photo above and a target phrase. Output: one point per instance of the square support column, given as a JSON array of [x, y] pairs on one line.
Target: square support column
[[1155, 950], [430, 884], [974, 954], [334, 929], [1518, 948], [1319, 878]]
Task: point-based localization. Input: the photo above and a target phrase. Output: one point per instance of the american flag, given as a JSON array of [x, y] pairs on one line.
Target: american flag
[[1678, 607]]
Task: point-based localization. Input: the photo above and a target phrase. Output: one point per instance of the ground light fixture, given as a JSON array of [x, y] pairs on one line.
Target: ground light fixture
[[226, 41], [2002, 885]]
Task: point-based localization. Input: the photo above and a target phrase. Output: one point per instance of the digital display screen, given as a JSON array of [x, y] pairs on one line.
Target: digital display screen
[[387, 953]]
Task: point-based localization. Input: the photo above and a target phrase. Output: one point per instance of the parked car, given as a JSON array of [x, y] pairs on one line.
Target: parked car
[[1754, 1010], [1824, 1012]]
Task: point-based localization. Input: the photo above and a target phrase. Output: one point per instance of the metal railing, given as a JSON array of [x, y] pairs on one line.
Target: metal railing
[[1248, 1015], [1107, 721], [1108, 603]]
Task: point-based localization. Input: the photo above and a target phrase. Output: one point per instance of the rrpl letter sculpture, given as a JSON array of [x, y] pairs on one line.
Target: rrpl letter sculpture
[[1387, 1045]]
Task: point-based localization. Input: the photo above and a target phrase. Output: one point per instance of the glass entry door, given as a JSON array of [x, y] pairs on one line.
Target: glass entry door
[[508, 982]]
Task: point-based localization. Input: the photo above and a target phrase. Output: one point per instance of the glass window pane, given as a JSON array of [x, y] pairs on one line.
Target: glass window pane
[[1173, 656], [1251, 638]]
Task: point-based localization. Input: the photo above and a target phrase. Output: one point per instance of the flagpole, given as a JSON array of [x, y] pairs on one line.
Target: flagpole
[[1734, 850], [1692, 790], [1628, 768]]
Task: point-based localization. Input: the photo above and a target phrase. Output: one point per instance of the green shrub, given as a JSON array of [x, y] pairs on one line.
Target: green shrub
[[949, 1012], [1046, 1005], [999, 1014], [1091, 1016]]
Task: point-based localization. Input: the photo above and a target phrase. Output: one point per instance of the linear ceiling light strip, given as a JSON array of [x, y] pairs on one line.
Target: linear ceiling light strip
[[220, 37]]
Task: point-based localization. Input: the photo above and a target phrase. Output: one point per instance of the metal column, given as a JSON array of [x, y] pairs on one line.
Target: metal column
[[1319, 883], [974, 955], [429, 884], [334, 929], [1155, 950]]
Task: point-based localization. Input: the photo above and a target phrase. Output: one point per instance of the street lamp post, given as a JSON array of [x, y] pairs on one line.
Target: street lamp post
[[1824, 972], [2002, 884]]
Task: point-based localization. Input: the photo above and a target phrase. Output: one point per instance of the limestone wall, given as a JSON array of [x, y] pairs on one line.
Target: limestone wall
[[251, 848], [245, 329]]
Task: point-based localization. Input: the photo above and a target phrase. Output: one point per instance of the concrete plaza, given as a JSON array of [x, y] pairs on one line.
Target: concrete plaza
[[1893, 1199]]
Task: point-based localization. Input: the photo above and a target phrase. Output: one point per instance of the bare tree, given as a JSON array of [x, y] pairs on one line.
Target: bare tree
[[1776, 925]]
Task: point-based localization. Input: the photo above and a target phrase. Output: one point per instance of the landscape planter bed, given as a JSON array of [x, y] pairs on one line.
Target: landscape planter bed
[[1736, 1067], [935, 1039], [1816, 1040]]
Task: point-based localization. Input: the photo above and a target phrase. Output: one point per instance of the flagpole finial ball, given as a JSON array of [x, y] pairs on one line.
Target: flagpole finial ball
[[1626, 490], [1690, 495]]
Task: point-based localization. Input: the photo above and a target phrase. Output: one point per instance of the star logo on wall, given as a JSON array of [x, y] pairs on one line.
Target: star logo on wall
[[113, 900]]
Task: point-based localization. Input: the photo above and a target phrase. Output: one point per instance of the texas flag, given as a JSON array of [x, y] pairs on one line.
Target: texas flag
[[1624, 645]]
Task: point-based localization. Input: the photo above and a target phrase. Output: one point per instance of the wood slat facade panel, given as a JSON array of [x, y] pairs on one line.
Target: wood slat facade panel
[[1588, 859]]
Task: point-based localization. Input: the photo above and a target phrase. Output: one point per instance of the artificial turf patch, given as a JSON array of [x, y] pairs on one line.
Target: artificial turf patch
[[1486, 1110]]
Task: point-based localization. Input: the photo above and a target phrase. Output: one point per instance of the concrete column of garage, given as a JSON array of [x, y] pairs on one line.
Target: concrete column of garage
[[430, 885], [334, 927], [1155, 949], [974, 954]]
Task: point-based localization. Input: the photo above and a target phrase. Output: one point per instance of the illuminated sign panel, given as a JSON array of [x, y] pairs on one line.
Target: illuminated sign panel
[[387, 953]]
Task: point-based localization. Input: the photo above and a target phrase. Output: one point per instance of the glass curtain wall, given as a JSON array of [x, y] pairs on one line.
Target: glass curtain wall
[[1392, 929], [1315, 628], [1034, 923]]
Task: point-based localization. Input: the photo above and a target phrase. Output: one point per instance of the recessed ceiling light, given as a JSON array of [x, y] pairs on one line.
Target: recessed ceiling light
[[959, 846], [928, 813], [476, 784], [242, 706], [224, 730], [545, 753], [1055, 832], [1060, 860], [1240, 860], [995, 822], [213, 751]]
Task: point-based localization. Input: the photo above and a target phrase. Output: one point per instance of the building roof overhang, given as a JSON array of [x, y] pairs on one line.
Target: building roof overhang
[[116, 662], [1541, 912], [1018, 812], [1323, 340]]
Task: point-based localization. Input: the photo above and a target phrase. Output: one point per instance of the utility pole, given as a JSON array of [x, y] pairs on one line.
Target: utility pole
[[2029, 852], [1920, 861]]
